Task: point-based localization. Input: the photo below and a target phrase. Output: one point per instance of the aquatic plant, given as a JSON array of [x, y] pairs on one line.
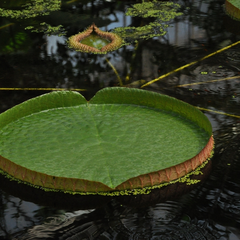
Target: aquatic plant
[[232, 8], [87, 41], [32, 9], [162, 12], [48, 29], [121, 142]]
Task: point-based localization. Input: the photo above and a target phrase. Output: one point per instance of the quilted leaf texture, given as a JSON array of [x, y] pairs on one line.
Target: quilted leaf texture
[[122, 139]]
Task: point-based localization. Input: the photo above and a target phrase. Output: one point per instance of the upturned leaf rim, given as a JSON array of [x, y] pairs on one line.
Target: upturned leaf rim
[[114, 95]]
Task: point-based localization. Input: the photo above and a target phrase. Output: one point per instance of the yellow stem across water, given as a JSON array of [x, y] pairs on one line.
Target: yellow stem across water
[[115, 70], [45, 89], [7, 25], [189, 64], [223, 113], [215, 80]]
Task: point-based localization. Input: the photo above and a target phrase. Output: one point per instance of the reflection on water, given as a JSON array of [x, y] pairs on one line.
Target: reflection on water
[[35, 60]]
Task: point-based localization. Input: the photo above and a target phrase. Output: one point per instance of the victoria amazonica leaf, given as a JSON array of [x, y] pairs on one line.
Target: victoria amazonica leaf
[[232, 8], [121, 139]]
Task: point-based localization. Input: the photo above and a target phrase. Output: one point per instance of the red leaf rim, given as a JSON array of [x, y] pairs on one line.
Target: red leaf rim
[[85, 186]]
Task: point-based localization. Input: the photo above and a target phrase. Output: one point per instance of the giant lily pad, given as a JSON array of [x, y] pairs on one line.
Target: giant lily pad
[[122, 141]]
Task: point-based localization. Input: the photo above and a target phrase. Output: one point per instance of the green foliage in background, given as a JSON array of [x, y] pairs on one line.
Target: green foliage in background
[[162, 12], [20, 41], [32, 9], [48, 29]]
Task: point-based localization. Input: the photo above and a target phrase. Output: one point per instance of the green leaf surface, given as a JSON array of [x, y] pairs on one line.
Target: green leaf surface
[[236, 3], [119, 134], [94, 40]]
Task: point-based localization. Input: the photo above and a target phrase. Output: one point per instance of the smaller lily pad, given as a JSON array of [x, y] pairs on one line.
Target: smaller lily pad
[[94, 40], [232, 8], [123, 141]]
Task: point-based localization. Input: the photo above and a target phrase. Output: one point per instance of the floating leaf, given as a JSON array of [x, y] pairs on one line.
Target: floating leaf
[[121, 140], [48, 29], [32, 9], [94, 40], [232, 8], [161, 12]]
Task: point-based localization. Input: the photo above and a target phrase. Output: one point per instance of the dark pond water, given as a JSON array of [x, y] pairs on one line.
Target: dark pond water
[[30, 60]]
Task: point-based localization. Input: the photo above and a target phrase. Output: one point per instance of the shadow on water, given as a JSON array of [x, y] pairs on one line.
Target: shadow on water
[[209, 212]]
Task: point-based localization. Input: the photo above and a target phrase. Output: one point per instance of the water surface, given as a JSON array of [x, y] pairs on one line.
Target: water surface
[[36, 60]]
